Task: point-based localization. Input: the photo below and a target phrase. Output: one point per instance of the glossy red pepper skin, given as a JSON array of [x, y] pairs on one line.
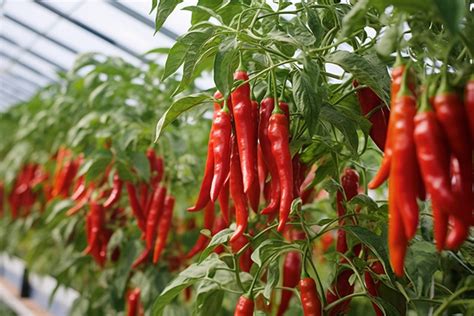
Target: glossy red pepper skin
[[245, 129], [237, 193], [221, 140], [379, 118], [469, 105], [404, 167], [135, 205], [202, 241], [156, 167], [142, 258], [245, 262], [310, 298], [433, 157], [82, 201], [450, 113], [340, 289], [154, 216], [245, 306], [133, 301], [460, 229], [253, 194], [116, 192], [80, 189], [279, 137], [291, 277], [373, 286], [262, 169], [223, 200], [163, 228]]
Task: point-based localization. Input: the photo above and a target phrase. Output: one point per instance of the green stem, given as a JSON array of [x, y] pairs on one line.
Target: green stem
[[447, 302], [342, 299]]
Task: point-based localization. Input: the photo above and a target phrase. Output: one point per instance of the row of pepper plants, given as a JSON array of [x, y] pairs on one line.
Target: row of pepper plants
[[265, 195]]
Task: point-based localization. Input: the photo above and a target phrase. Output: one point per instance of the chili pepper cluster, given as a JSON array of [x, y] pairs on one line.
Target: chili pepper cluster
[[428, 147]]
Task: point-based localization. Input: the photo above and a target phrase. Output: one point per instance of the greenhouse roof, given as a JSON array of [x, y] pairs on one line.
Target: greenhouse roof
[[40, 38]]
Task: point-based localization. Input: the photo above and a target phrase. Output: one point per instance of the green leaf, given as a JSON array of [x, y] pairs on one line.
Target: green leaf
[[186, 278], [178, 107], [203, 12], [218, 239], [314, 23], [269, 248], [355, 18], [410, 6], [225, 64], [163, 10], [346, 126], [421, 263], [364, 200], [273, 276], [388, 42], [208, 299], [366, 70], [306, 95], [452, 13], [141, 165]]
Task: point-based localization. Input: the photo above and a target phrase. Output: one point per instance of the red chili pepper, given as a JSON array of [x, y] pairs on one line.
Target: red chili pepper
[[95, 230], [116, 192], [451, 115], [310, 298], [156, 209], [340, 289], [245, 262], [224, 201], [144, 194], [291, 276], [164, 227], [237, 193], [245, 306], [262, 168], [245, 129], [133, 302], [135, 205], [373, 286], [378, 114], [433, 157], [219, 224], [221, 139], [142, 258], [469, 105], [204, 192], [81, 202], [253, 194], [201, 243], [156, 167], [460, 229], [279, 137], [2, 196]]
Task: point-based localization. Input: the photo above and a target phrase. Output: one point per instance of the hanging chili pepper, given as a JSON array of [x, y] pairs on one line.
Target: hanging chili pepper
[[201, 243], [253, 194], [291, 276], [469, 105], [373, 286], [204, 192], [460, 229], [156, 210], [404, 167], [262, 169], [135, 205], [245, 262], [221, 140], [378, 114], [133, 302], [82, 201], [223, 199], [142, 258], [245, 306], [143, 195], [433, 157], [450, 113], [156, 167], [279, 137], [237, 193], [309, 297], [116, 192], [80, 188], [164, 227], [245, 130]]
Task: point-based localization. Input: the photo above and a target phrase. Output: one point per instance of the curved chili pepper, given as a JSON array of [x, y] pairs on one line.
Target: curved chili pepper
[[245, 129], [237, 193], [223, 199], [460, 229], [245, 306], [469, 105], [450, 113], [253, 194], [262, 168], [245, 262], [204, 192], [384, 170], [135, 205], [310, 298], [164, 227], [133, 302], [221, 140], [378, 114], [116, 192], [291, 276], [201, 243], [156, 210], [81, 202], [404, 166], [279, 137], [373, 286], [156, 167], [142, 258], [339, 289], [80, 189]]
